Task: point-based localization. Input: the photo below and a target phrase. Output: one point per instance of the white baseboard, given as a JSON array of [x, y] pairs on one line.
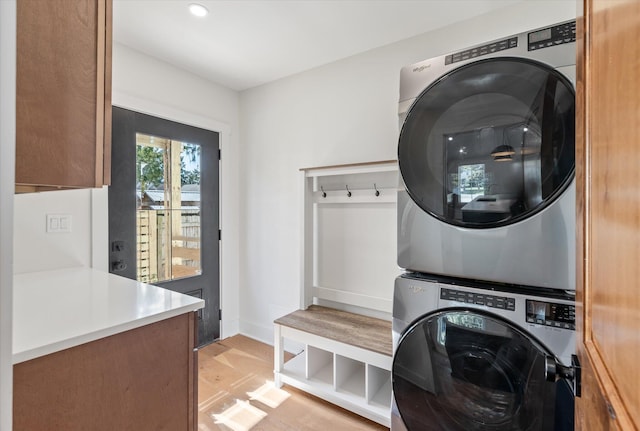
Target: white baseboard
[[229, 328]]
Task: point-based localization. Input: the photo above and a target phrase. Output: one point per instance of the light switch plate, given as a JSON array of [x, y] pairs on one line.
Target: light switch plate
[[58, 223]]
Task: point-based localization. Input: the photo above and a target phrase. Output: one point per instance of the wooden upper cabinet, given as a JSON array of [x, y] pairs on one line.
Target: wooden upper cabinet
[[63, 94], [608, 214]]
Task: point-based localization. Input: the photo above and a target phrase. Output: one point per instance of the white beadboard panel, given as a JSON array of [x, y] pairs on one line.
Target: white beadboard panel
[[356, 252]]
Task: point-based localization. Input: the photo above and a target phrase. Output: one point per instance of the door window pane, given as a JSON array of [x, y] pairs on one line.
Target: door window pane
[[168, 209]]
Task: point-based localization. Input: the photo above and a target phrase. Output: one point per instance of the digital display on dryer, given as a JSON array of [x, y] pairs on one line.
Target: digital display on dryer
[[539, 36], [551, 314]]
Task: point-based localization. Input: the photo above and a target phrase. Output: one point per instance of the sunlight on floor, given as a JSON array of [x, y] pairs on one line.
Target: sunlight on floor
[[242, 416], [269, 395]]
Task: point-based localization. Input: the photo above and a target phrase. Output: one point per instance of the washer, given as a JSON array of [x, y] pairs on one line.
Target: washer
[[472, 356], [487, 157]]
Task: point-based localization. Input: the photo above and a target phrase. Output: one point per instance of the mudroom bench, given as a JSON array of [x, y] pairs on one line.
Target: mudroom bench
[[348, 262], [346, 359]]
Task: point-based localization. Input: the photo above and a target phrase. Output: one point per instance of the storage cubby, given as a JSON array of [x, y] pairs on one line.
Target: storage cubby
[[319, 365], [350, 376], [378, 386]]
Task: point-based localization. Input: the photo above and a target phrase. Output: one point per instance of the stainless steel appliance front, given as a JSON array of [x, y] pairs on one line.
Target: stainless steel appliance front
[[487, 155], [473, 356]]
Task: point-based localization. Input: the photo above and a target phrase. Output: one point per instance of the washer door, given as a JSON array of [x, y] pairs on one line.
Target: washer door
[[490, 143], [461, 370]]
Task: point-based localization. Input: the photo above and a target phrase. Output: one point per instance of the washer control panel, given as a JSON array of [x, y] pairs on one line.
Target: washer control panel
[[491, 301], [551, 314]]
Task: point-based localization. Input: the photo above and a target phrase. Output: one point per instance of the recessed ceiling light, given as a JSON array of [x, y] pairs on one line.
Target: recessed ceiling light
[[198, 10]]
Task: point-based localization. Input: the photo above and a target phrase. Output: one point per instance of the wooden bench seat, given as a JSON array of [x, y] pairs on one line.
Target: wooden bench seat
[[349, 328]]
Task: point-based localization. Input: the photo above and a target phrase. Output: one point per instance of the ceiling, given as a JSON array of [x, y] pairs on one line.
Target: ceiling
[[246, 43]]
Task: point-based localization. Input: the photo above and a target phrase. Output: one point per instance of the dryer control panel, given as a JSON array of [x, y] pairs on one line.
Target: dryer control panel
[[551, 314], [550, 36]]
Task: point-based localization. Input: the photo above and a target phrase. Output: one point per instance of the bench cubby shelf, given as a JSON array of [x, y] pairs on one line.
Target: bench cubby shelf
[[337, 365]]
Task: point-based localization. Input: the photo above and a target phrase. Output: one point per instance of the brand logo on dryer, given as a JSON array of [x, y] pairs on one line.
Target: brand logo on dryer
[[421, 68], [416, 289]]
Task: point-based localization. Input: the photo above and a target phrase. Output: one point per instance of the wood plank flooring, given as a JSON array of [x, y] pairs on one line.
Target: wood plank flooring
[[236, 393]]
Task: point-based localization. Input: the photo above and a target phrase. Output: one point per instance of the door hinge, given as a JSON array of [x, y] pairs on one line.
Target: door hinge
[[219, 154], [219, 314], [219, 234]]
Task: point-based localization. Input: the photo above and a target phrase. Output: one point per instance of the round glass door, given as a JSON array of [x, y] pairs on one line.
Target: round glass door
[[459, 370], [490, 143]]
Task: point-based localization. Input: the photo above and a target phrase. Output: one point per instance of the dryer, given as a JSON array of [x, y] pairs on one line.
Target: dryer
[[475, 356], [486, 155]]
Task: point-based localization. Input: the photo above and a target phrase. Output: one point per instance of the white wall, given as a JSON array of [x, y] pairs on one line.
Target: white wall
[[37, 250], [7, 162], [344, 112]]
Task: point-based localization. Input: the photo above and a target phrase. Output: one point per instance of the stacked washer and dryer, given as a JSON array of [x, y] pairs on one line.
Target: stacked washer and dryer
[[484, 316]]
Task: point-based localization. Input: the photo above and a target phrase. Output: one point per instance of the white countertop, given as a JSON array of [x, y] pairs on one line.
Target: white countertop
[[55, 310]]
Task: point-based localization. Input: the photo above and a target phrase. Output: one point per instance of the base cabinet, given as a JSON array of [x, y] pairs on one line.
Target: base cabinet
[[142, 379]]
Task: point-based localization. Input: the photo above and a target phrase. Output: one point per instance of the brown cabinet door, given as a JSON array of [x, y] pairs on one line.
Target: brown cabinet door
[[142, 379], [608, 210], [63, 91]]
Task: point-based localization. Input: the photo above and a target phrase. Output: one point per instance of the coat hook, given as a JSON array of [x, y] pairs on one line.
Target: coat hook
[[376, 189], [348, 191], [324, 194]]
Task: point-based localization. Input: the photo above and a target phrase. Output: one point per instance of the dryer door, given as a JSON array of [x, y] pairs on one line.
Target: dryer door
[[461, 370], [490, 143]]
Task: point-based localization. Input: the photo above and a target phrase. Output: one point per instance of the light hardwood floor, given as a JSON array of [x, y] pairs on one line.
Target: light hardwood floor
[[236, 393]]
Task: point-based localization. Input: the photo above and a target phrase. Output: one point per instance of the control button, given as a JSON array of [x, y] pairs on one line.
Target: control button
[[540, 321], [557, 324], [511, 304], [548, 323], [531, 320], [567, 326], [500, 303]]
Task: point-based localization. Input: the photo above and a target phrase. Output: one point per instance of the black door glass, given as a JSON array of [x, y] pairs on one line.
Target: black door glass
[[462, 370], [490, 143]]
